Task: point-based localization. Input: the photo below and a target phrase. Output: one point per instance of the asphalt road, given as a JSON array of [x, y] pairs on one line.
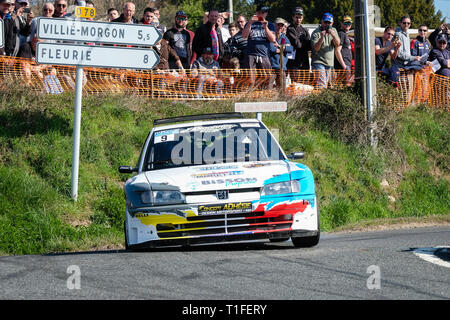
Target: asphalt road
[[375, 265]]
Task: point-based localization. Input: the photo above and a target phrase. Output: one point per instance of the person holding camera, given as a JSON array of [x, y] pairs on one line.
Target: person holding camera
[[386, 46], [442, 29], [325, 44]]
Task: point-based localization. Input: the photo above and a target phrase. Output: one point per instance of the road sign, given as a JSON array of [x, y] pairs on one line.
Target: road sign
[[2, 32], [85, 12], [279, 106], [96, 56], [97, 31]]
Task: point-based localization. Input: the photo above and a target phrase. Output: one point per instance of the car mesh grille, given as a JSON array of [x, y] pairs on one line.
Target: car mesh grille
[[220, 224]]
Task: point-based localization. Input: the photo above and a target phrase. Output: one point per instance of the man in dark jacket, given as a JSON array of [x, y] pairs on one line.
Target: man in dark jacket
[[441, 54], [10, 30], [208, 35], [180, 40], [301, 42], [442, 29], [129, 9]]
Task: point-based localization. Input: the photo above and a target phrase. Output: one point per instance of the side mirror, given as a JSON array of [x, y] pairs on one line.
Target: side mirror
[[127, 169], [296, 155]]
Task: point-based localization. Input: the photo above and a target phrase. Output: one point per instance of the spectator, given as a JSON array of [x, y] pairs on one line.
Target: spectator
[[404, 59], [162, 28], [47, 11], [225, 33], [148, 17], [206, 69], [129, 9], [384, 47], [113, 14], [346, 49], [241, 21], [166, 53], [180, 40], [281, 44], [301, 43], [208, 35], [60, 9], [442, 55], [259, 34], [23, 22], [325, 44], [236, 45], [9, 32], [420, 46], [442, 29]]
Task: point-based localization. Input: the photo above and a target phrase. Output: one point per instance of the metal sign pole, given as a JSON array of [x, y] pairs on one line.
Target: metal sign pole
[[76, 131]]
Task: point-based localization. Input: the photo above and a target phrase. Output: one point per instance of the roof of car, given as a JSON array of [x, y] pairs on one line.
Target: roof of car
[[203, 122]]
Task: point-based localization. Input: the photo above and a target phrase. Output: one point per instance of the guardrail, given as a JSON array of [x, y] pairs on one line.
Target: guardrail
[[414, 87]]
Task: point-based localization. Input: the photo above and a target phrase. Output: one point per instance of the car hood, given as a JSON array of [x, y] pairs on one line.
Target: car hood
[[222, 176]]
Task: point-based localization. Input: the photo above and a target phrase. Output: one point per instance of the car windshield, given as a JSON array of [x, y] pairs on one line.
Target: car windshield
[[208, 144]]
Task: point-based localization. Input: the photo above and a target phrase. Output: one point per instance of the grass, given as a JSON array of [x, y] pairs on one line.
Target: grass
[[37, 214]]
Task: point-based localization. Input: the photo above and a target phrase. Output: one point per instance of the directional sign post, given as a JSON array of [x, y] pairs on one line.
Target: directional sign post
[[93, 56], [2, 32]]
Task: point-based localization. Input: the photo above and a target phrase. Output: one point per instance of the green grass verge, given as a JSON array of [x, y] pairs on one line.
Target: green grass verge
[[407, 176]]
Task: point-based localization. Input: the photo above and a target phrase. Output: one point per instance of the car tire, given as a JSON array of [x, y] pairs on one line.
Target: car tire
[[307, 242], [125, 233]]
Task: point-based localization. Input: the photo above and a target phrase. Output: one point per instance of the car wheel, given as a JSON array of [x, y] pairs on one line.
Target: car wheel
[[307, 242], [125, 233]]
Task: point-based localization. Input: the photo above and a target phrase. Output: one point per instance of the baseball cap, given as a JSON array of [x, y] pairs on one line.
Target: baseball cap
[[347, 19], [298, 10], [280, 20], [207, 50], [327, 17], [262, 8], [441, 37], [181, 14]]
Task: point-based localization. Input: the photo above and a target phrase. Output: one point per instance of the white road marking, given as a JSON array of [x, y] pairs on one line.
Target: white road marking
[[427, 254]]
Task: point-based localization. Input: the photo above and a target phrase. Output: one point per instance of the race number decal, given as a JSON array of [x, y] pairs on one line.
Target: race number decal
[[165, 136]]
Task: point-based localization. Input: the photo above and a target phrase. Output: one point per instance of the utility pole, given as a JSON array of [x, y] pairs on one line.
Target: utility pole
[[230, 10], [365, 72]]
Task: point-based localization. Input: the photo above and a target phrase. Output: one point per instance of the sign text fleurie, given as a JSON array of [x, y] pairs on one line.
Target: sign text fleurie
[[92, 55]]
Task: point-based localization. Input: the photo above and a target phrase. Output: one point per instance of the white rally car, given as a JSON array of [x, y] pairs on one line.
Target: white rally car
[[217, 178]]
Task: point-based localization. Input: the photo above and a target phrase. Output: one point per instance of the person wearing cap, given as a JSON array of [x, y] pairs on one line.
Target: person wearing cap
[[442, 29], [9, 29], [301, 43], [259, 34], [180, 39], [441, 54], [209, 35], [282, 44], [325, 44], [207, 70], [345, 48]]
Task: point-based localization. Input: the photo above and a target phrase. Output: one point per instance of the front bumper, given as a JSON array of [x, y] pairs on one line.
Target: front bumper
[[185, 226]]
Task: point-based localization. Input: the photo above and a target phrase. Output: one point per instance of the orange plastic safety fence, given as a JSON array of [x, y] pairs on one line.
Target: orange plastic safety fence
[[418, 87]]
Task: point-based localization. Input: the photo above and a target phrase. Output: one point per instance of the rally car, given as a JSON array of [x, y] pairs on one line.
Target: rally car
[[217, 178]]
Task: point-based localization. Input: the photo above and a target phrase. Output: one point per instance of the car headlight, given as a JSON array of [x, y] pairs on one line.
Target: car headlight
[[292, 186], [160, 197]]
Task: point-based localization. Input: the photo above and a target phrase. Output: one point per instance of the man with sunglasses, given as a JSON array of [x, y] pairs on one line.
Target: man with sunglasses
[[346, 48], [442, 29], [60, 9], [180, 39], [420, 46], [9, 31]]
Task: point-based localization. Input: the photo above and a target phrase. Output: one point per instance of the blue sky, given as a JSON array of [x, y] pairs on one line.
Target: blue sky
[[444, 6]]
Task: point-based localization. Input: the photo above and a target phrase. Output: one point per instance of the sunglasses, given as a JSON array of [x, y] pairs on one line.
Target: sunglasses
[[181, 18], [406, 23], [348, 23], [61, 5], [422, 30], [442, 42]]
